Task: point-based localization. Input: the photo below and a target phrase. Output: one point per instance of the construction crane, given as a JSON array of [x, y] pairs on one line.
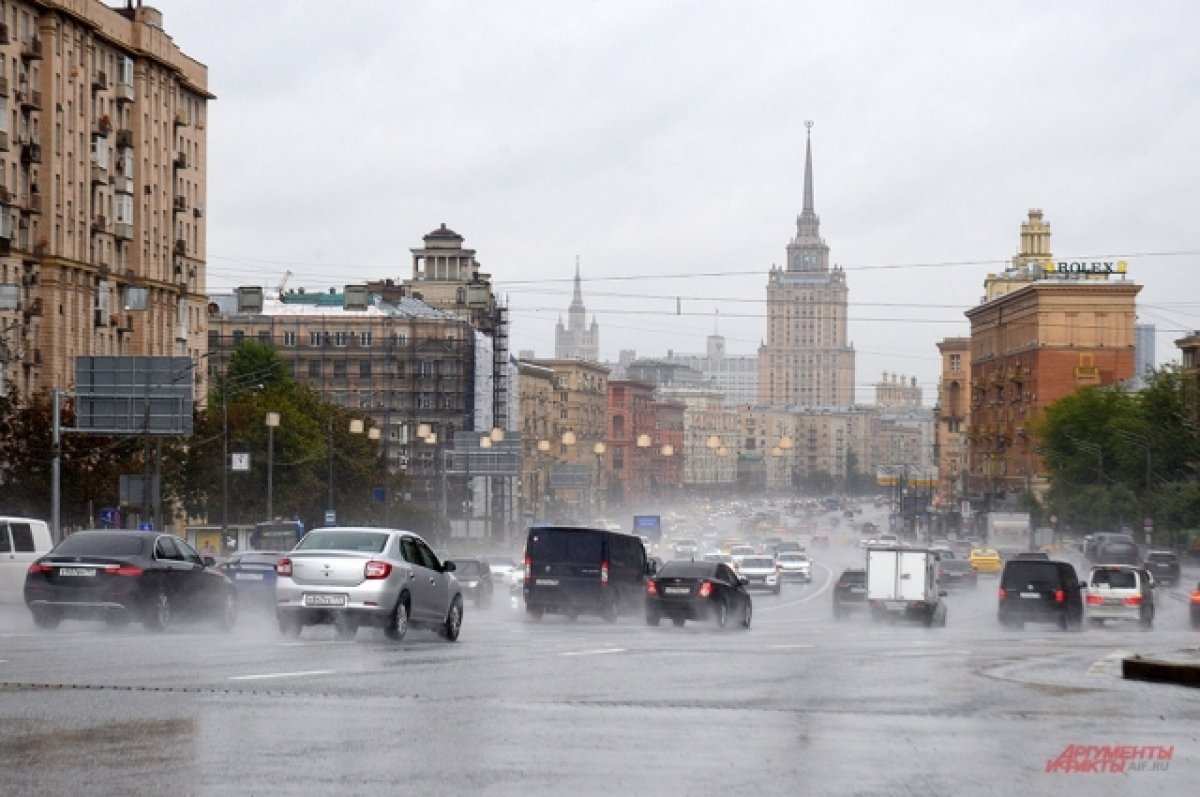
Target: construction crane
[[287, 275]]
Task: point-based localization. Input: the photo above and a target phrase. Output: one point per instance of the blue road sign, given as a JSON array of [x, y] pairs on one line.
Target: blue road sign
[[146, 525], [110, 517]]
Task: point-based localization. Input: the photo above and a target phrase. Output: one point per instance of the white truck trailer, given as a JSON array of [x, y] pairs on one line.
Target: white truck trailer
[[903, 583]]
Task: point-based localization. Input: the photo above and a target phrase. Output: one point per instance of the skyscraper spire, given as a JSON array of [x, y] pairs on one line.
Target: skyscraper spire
[[578, 298], [809, 208]]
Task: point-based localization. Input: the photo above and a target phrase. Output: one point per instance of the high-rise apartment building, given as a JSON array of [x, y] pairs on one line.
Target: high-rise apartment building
[[103, 156], [577, 340], [1045, 329], [806, 360]]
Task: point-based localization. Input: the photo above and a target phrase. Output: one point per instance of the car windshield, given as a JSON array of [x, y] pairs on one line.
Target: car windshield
[[956, 565], [757, 561], [688, 570], [466, 567], [102, 545], [1039, 575], [853, 577], [563, 545], [255, 559], [358, 541], [792, 557]]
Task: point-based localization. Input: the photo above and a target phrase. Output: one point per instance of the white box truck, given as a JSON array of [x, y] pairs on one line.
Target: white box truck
[[22, 541], [903, 583]]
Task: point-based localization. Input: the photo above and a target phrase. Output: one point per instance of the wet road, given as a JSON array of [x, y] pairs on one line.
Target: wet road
[[799, 704]]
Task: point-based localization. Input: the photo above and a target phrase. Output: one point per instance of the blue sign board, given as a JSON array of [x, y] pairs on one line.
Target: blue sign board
[[110, 517], [146, 525], [648, 525]]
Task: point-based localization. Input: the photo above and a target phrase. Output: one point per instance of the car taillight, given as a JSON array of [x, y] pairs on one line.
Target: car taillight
[[283, 567], [377, 569], [651, 588], [778, 568], [604, 574], [1133, 600], [123, 570], [1196, 596], [1059, 596], [528, 570], [1002, 594], [38, 567], [1095, 600], [705, 589]]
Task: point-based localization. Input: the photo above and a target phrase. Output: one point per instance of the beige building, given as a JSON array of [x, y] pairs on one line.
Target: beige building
[[577, 468], [806, 360], [1045, 329], [103, 156], [538, 417], [953, 415], [710, 432]]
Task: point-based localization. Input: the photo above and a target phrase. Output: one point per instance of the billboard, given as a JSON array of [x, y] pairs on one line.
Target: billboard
[[134, 395]]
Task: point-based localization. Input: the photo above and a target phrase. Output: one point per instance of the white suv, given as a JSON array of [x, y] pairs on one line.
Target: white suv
[[1120, 592]]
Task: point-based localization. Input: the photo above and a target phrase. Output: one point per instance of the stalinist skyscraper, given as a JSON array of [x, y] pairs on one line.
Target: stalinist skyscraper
[[806, 360], [577, 340]]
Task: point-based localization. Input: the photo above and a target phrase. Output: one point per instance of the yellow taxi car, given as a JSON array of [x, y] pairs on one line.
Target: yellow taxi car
[[985, 560]]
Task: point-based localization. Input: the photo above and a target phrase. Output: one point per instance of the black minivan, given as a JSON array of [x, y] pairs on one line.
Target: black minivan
[[573, 570], [1040, 591]]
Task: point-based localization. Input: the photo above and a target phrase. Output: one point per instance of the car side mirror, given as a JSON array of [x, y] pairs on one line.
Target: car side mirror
[[209, 561], [743, 581], [449, 567], [651, 567], [942, 593]]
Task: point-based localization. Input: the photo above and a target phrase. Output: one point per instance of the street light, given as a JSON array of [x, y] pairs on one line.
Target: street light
[[272, 422]]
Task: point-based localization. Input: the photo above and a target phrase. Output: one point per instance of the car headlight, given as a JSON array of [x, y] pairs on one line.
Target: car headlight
[[472, 584]]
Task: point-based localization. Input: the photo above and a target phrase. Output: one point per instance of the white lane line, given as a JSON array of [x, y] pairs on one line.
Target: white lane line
[[264, 676], [600, 652], [789, 647], [1104, 666]]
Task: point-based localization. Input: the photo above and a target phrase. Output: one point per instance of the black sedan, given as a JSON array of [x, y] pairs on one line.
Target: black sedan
[[957, 574], [123, 576], [475, 578], [253, 575], [1164, 566], [850, 592], [684, 591]]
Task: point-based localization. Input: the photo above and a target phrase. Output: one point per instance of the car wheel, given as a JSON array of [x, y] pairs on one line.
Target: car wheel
[[346, 628], [747, 614], [46, 618], [288, 626], [397, 625], [158, 612], [678, 621], [721, 614], [453, 625], [534, 612], [652, 618], [227, 617]]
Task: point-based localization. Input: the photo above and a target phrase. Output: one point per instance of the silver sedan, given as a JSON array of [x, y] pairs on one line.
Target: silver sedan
[[366, 576]]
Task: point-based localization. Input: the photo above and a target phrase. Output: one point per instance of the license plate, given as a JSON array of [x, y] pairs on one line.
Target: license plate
[[77, 571], [546, 582], [677, 590], [324, 600], [1031, 594], [248, 577]]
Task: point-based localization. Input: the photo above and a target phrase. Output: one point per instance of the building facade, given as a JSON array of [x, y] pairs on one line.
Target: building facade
[[806, 359], [103, 157], [577, 340], [577, 445], [953, 417], [1045, 329]]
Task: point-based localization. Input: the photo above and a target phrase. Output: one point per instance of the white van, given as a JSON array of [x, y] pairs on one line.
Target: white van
[[22, 540]]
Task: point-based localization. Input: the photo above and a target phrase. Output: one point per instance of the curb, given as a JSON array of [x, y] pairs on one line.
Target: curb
[[1135, 668]]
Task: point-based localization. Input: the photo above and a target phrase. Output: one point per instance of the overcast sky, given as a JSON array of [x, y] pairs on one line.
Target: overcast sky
[[662, 143]]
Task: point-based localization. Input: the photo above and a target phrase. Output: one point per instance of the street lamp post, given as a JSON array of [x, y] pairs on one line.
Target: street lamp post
[[272, 421]]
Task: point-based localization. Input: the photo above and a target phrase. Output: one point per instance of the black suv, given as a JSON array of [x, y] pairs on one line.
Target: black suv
[[575, 570], [1164, 566], [1040, 591], [850, 592]]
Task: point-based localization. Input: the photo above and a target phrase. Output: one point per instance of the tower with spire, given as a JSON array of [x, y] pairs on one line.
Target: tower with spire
[[806, 360], [577, 340]]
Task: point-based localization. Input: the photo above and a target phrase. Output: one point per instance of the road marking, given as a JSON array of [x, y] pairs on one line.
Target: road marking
[[789, 647], [1104, 666], [820, 591], [593, 652], [264, 676]]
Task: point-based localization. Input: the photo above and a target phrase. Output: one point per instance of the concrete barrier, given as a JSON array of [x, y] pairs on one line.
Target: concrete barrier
[[1135, 668]]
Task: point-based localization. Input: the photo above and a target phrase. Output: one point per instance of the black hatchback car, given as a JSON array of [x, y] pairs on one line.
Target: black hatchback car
[[122, 576], [1039, 590], [686, 591], [1164, 566], [850, 592]]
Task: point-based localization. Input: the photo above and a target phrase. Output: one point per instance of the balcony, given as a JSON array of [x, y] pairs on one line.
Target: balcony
[[124, 138], [31, 153], [181, 205], [124, 92], [4, 85], [100, 80], [100, 223], [123, 230], [99, 174], [180, 247], [4, 33], [180, 161], [32, 50], [122, 184], [104, 126], [3, 141], [181, 119]]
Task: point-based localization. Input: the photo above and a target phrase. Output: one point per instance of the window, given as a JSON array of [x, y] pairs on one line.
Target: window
[[398, 338], [365, 338], [238, 336], [124, 206], [264, 337], [289, 338], [340, 338], [314, 369], [364, 368], [100, 152], [339, 369], [315, 338], [125, 70], [955, 363]]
